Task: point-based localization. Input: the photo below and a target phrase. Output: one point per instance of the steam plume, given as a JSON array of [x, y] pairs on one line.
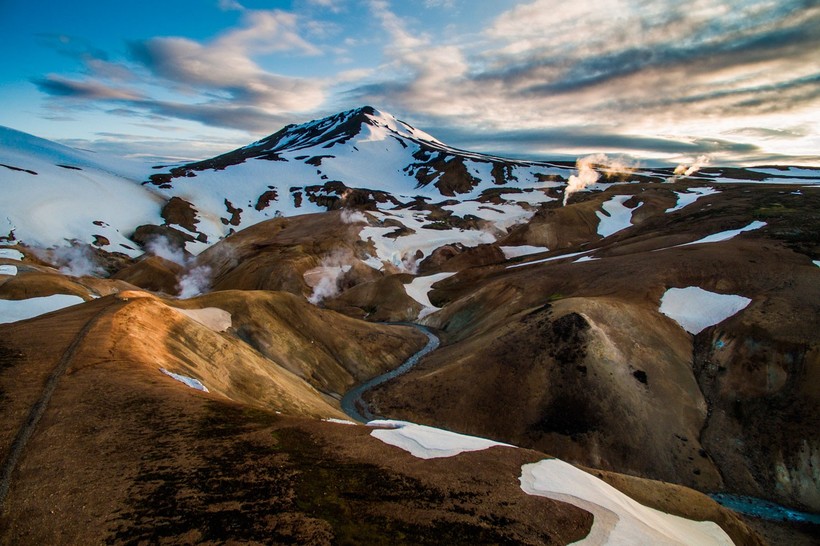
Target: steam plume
[[161, 246], [77, 260], [195, 281], [325, 278], [588, 175], [353, 217], [683, 170]]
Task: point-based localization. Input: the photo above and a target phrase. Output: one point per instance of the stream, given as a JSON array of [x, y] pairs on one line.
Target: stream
[[763, 509], [353, 404], [357, 409]]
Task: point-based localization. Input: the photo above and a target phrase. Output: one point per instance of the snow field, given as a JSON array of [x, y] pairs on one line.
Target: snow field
[[695, 309], [420, 287], [60, 203], [400, 251], [213, 318], [615, 216], [427, 442], [11, 254], [726, 235], [687, 198], [618, 519], [16, 310], [522, 250]]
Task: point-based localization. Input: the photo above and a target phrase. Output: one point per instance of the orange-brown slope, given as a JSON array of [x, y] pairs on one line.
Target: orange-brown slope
[[123, 454]]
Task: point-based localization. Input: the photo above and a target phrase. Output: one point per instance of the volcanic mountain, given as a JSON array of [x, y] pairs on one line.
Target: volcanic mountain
[[176, 342]]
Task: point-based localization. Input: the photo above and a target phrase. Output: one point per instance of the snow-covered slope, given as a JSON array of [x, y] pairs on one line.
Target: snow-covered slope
[[53, 195], [311, 167]]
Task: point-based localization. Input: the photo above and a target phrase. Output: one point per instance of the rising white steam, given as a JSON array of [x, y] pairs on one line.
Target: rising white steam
[[325, 278], [588, 172], [161, 246], [77, 260], [353, 217], [683, 170], [195, 281]]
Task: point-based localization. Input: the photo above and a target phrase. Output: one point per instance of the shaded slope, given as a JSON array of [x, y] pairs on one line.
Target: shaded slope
[[570, 355]]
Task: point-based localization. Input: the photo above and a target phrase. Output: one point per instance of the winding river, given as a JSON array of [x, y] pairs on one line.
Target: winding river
[[353, 404]]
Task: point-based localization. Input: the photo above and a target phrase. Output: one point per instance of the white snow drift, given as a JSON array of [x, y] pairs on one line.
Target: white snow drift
[[618, 519], [14, 310], [726, 235], [690, 196], [190, 381], [213, 318], [53, 193], [420, 287], [695, 309], [427, 442], [615, 216]]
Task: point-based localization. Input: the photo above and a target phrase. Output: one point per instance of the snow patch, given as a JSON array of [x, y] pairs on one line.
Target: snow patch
[[427, 442], [551, 258], [401, 251], [11, 254], [190, 381], [615, 216], [687, 198], [816, 262], [10, 270], [214, 318], [420, 287], [695, 309], [618, 519], [726, 235], [14, 310], [338, 421], [522, 250]]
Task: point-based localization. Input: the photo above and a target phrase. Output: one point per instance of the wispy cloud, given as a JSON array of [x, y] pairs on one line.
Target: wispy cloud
[[728, 78], [217, 83], [87, 89]]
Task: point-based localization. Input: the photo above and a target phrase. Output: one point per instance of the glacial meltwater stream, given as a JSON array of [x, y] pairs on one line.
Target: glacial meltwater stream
[[353, 404]]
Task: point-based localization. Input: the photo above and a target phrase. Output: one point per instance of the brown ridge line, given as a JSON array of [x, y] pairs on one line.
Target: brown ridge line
[[39, 408]]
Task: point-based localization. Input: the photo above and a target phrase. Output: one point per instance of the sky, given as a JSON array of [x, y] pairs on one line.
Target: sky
[[662, 81]]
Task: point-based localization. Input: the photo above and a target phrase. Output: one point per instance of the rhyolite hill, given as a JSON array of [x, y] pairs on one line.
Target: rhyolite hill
[[656, 327]]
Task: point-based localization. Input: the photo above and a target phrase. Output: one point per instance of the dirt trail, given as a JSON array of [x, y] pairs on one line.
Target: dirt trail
[[39, 407]]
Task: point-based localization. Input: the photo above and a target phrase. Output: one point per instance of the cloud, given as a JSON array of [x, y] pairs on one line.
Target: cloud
[[768, 132], [230, 5], [217, 82], [92, 90], [171, 148], [667, 78], [446, 4], [217, 114], [333, 5], [225, 66], [659, 68]]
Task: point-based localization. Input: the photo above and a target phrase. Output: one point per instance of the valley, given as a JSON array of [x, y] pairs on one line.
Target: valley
[[182, 347]]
